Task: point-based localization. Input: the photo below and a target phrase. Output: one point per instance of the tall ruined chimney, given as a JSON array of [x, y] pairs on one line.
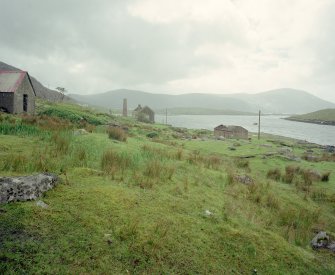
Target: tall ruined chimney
[[125, 109]]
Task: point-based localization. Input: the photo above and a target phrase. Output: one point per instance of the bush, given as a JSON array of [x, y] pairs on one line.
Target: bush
[[62, 142], [290, 172], [274, 174], [117, 133], [112, 162], [152, 135], [325, 176], [213, 162]]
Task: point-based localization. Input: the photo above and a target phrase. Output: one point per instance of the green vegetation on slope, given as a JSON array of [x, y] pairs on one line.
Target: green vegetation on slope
[[72, 112], [163, 204], [326, 116]]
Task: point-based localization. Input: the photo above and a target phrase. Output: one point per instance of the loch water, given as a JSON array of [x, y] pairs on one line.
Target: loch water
[[271, 124]]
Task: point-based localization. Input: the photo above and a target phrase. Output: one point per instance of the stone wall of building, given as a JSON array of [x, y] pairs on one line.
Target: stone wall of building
[[25, 88], [6, 102]]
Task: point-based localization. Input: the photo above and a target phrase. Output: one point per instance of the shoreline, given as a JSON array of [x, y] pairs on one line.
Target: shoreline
[[319, 122]]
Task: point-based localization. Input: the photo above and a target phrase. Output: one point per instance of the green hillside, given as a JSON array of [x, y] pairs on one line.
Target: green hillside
[[326, 116], [161, 200]]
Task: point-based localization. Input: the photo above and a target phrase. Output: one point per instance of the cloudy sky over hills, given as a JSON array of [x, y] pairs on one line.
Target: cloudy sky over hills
[[174, 46]]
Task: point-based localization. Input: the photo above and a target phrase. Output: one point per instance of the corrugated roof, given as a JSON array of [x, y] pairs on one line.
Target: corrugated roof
[[10, 80]]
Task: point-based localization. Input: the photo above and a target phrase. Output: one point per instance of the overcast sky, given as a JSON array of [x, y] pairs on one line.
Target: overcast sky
[[173, 46]]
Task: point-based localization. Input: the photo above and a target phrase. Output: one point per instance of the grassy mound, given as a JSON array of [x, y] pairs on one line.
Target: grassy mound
[[168, 203], [326, 116]]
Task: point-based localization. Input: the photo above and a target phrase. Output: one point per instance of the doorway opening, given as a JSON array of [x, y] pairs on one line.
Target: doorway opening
[[25, 103]]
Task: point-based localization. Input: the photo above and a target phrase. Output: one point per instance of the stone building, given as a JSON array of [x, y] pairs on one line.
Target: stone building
[[17, 94], [231, 131], [144, 114]]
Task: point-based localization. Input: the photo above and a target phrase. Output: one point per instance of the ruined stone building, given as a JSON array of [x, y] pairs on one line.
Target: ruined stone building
[[17, 94], [144, 114], [231, 131]]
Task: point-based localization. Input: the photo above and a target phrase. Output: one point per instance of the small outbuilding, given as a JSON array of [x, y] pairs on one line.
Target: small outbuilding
[[144, 114], [231, 131], [17, 94]]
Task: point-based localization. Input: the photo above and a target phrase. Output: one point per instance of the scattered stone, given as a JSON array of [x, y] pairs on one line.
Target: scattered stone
[[269, 154], [266, 145], [285, 151], [323, 240], [42, 204], [208, 213], [220, 138], [80, 132], [311, 158], [291, 158], [330, 149], [245, 179], [26, 187], [108, 238]]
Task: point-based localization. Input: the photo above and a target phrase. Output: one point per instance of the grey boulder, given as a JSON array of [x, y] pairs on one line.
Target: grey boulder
[[26, 187]]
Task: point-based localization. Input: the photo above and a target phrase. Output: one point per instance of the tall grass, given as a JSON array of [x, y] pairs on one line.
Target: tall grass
[[117, 133], [113, 162], [21, 130]]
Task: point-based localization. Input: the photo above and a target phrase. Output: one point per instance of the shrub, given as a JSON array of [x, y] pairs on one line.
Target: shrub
[[242, 163], [325, 176], [213, 162], [231, 177], [117, 133], [14, 162], [195, 157], [274, 174], [290, 172], [62, 142], [112, 162], [272, 201], [179, 154], [152, 135], [153, 169], [156, 170]]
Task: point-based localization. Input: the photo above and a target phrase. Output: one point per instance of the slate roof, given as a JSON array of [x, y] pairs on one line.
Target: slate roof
[[11, 80]]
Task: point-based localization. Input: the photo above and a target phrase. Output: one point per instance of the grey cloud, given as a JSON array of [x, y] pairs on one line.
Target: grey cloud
[[137, 51]]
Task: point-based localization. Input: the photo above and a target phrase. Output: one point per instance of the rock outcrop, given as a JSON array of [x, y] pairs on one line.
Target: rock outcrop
[[323, 240], [26, 187]]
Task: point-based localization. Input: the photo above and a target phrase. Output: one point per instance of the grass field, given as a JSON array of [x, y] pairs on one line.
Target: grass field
[[326, 116], [161, 201]]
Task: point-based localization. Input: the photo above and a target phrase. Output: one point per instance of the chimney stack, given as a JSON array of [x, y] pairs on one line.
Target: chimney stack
[[125, 108]]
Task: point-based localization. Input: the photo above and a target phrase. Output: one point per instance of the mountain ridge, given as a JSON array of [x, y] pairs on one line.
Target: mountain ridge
[[278, 101]]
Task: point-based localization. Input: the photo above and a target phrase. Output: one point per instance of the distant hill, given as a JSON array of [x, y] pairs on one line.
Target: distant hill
[[281, 101], [326, 116], [201, 111], [41, 91]]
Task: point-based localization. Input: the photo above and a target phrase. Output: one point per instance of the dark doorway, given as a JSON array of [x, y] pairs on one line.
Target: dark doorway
[[25, 103]]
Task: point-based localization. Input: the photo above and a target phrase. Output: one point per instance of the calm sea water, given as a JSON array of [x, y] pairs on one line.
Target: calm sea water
[[320, 134]]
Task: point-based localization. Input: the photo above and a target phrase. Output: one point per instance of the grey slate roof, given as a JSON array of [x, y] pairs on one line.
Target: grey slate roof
[[10, 80]]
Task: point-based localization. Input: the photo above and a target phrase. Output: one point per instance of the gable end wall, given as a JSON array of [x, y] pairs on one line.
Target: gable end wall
[[24, 88]]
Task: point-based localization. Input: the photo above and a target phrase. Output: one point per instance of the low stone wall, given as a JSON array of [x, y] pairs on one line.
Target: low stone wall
[[26, 187]]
